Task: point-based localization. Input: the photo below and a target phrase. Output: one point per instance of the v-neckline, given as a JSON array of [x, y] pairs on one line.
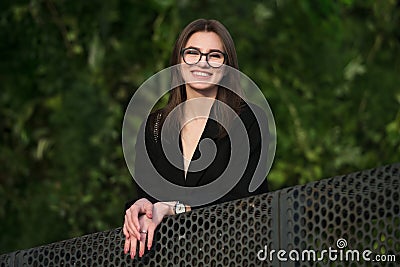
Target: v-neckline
[[196, 148]]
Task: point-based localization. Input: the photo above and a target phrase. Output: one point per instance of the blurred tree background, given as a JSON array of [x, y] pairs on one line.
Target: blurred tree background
[[329, 69]]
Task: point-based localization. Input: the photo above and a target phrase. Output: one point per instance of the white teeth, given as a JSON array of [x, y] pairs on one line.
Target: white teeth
[[201, 73]]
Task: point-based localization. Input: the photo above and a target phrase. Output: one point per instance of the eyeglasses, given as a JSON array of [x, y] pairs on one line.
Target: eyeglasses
[[214, 58]]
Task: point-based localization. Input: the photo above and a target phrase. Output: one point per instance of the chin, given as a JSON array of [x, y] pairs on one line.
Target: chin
[[202, 86]]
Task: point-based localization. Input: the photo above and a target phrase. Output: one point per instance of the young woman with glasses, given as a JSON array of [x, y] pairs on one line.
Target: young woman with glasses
[[203, 49]]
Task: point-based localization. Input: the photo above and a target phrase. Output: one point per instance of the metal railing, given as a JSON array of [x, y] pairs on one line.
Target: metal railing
[[351, 213]]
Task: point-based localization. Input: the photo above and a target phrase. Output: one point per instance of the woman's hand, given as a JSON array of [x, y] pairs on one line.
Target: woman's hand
[[132, 227], [160, 210], [147, 226]]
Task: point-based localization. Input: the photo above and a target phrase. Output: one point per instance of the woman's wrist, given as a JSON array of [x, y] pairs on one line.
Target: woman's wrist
[[166, 207], [169, 207], [180, 207]]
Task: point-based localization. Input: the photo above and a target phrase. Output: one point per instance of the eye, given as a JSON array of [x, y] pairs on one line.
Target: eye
[[216, 55], [192, 52]]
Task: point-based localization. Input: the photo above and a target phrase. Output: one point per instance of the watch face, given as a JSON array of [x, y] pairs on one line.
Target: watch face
[[180, 208]]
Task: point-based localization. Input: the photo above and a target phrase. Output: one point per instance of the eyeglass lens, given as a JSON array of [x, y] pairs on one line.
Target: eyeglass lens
[[192, 56]]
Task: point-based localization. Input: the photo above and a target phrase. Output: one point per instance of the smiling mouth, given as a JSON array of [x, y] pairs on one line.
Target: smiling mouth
[[201, 73]]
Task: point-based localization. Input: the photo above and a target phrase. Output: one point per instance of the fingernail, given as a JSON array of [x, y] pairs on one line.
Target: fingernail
[[132, 255]]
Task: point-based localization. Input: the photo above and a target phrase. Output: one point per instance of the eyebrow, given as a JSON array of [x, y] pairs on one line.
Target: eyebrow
[[209, 51]]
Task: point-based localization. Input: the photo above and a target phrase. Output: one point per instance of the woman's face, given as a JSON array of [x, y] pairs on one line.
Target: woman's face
[[200, 77]]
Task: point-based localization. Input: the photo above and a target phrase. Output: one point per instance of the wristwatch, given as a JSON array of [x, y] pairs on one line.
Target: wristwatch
[[179, 208]]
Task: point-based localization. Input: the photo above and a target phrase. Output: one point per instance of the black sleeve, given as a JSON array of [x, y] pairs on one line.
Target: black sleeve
[[141, 165]]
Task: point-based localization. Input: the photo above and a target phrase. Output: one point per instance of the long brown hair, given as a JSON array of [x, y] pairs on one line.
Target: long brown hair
[[230, 97]]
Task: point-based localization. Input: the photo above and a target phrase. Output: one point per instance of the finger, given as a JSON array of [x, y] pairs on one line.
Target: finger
[[150, 236], [130, 227], [141, 244], [127, 245], [125, 231], [133, 247], [133, 213], [127, 240], [148, 209], [128, 224], [144, 207]]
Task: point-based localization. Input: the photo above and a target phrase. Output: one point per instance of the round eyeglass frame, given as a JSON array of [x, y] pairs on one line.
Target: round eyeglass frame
[[201, 55]]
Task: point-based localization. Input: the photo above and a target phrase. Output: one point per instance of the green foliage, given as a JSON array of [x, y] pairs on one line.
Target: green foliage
[[329, 70]]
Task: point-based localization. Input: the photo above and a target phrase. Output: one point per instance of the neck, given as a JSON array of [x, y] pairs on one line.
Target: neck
[[199, 103], [197, 108]]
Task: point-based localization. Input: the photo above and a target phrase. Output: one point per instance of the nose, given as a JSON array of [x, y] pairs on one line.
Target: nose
[[203, 61]]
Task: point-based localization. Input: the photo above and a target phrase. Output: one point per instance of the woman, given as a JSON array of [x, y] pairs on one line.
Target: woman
[[204, 49]]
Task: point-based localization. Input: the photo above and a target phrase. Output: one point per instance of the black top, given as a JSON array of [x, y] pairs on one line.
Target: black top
[[216, 168]]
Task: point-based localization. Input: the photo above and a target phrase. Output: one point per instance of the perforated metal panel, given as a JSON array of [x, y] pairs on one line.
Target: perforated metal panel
[[5, 260], [223, 235], [362, 208]]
